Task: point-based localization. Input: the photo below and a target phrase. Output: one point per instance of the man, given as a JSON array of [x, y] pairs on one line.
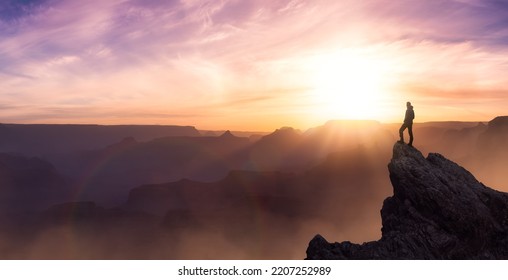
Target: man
[[408, 123]]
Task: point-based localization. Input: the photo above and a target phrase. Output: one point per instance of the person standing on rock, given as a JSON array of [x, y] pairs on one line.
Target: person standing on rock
[[408, 123]]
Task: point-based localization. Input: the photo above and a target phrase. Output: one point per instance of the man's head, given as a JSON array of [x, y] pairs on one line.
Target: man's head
[[408, 104]]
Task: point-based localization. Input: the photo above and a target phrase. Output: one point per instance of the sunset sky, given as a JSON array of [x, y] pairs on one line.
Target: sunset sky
[[251, 64]]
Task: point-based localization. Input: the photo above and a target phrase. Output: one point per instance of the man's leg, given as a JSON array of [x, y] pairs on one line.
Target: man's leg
[[401, 132], [410, 130]]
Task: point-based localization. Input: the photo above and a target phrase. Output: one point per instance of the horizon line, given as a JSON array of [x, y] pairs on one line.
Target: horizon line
[[246, 130]]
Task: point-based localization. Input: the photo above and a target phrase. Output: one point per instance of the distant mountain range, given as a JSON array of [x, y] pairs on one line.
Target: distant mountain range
[[43, 140], [255, 196]]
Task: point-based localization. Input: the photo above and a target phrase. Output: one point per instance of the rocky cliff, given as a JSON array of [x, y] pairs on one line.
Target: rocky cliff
[[438, 211]]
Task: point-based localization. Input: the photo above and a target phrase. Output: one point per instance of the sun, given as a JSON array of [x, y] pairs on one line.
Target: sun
[[347, 85]]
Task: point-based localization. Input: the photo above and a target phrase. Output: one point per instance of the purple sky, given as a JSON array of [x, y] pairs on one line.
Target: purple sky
[[251, 64]]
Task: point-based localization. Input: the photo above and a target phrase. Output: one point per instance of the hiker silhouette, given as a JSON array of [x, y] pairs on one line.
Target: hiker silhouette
[[408, 123]]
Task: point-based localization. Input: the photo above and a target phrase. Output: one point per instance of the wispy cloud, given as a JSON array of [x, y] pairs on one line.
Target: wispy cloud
[[177, 55]]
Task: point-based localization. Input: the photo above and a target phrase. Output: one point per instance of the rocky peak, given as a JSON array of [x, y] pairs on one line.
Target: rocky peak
[[227, 135], [438, 211], [285, 136]]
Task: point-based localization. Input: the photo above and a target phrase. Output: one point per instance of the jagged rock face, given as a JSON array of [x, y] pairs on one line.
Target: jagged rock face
[[438, 211]]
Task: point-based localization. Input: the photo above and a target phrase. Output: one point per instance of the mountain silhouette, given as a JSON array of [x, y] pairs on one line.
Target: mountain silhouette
[[438, 211], [28, 184], [109, 173], [53, 139], [459, 143], [488, 158], [106, 175], [287, 149], [279, 150], [495, 137]]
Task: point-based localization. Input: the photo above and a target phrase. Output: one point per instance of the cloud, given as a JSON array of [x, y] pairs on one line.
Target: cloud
[[445, 21], [12, 11], [192, 53]]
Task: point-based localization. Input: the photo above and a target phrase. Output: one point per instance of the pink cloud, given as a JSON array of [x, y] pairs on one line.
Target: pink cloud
[[184, 55]]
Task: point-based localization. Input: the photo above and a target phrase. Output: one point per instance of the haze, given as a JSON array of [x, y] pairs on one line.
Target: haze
[[251, 65]]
